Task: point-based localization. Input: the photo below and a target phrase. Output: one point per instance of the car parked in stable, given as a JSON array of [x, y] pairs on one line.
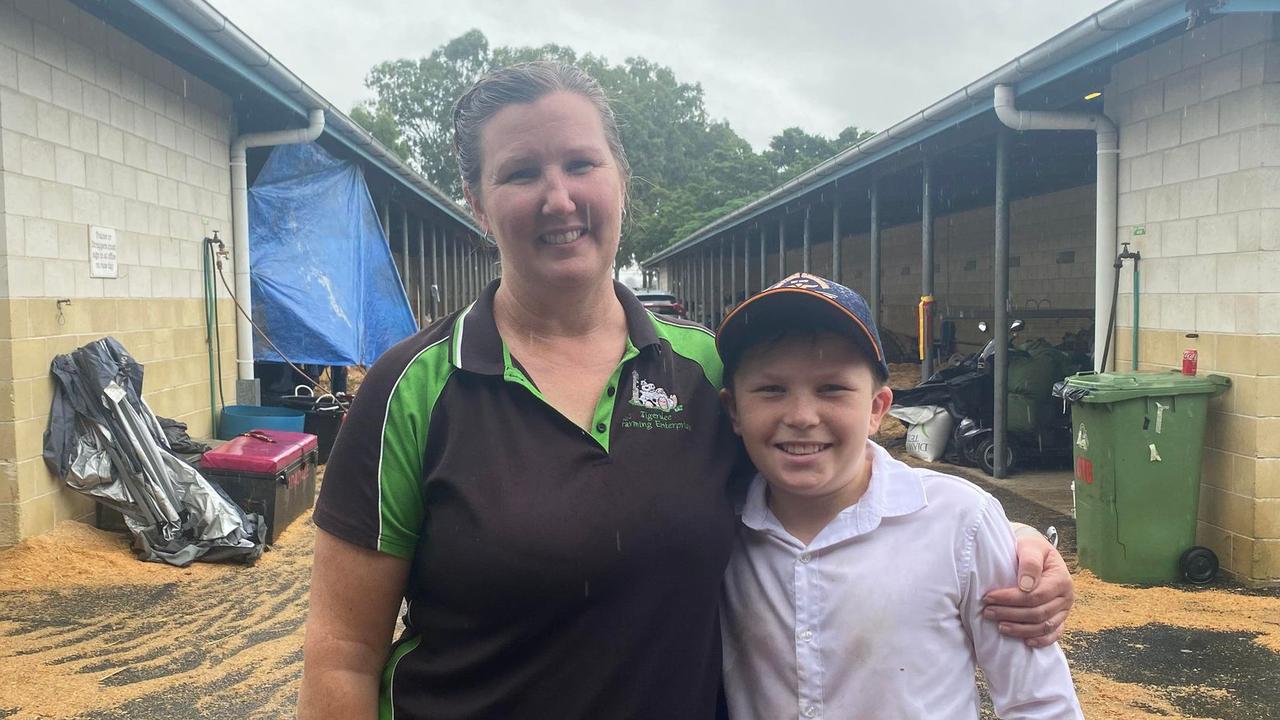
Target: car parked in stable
[[661, 302]]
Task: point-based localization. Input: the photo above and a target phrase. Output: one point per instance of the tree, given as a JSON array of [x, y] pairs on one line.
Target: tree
[[687, 169], [419, 95], [793, 150], [382, 126]]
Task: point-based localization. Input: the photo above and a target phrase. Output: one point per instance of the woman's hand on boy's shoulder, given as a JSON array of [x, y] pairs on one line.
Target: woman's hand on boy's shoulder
[[1037, 609]]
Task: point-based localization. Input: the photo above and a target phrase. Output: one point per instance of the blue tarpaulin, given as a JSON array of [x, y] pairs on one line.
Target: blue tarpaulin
[[325, 287]]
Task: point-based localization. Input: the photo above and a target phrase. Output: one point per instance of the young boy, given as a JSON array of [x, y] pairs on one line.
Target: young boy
[[856, 583]]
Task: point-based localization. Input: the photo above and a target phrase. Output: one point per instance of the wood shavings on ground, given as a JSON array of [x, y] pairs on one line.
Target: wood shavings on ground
[[76, 554], [1102, 605], [1102, 698], [87, 632], [105, 636]]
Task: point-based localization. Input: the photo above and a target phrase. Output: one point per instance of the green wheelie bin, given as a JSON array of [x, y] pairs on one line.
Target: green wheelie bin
[[1138, 439]]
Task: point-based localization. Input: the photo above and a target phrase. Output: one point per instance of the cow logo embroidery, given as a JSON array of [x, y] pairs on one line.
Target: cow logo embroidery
[[647, 395]]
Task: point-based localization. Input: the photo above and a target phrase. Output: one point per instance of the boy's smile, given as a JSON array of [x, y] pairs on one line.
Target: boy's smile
[[805, 408]]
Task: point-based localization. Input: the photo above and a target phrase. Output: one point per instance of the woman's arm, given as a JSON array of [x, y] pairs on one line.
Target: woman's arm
[[1037, 609], [355, 595]]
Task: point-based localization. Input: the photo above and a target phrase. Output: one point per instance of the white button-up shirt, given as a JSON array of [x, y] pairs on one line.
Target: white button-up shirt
[[881, 615]]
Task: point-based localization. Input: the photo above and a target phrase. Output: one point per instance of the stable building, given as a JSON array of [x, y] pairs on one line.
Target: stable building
[[1152, 125], [131, 132]]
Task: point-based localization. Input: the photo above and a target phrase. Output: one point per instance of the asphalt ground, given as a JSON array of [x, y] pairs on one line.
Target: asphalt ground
[[137, 640]]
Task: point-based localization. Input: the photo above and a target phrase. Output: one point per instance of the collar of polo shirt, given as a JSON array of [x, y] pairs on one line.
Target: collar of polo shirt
[[477, 347]]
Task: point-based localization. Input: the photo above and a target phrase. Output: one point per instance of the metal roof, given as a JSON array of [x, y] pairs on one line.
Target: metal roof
[[200, 24], [1105, 33]]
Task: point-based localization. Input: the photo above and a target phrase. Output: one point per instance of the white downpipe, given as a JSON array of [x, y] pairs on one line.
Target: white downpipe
[[1104, 253], [240, 224]]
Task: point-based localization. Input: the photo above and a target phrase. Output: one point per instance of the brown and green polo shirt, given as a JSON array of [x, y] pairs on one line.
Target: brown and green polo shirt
[[557, 572]]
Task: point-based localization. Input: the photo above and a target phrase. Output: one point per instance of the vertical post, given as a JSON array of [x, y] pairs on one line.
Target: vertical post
[[695, 297], [733, 271], [404, 249], [679, 290], [705, 277], [435, 275], [464, 268], [782, 247], [384, 218], [926, 257], [807, 250], [875, 251], [719, 306], [836, 255], [1000, 302], [710, 288], [447, 249], [422, 273], [764, 282]]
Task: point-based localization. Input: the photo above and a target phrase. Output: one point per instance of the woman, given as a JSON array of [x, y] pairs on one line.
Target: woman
[[544, 475]]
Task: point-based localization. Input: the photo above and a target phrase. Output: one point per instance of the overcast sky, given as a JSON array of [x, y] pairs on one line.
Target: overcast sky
[[764, 66]]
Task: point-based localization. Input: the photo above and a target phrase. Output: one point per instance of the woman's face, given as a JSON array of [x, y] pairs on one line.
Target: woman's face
[[550, 191]]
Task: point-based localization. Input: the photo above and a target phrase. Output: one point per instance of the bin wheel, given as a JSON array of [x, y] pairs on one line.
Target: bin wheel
[[986, 456], [1199, 565]]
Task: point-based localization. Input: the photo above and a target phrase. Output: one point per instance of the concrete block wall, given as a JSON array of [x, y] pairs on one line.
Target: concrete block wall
[[1051, 237], [1199, 182], [97, 130]]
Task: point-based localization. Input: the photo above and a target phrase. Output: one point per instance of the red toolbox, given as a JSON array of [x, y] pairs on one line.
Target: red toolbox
[[269, 472]]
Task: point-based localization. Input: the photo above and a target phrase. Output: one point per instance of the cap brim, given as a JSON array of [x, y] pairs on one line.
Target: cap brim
[[773, 311]]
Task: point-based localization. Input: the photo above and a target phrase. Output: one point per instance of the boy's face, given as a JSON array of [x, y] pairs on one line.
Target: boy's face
[[804, 410]]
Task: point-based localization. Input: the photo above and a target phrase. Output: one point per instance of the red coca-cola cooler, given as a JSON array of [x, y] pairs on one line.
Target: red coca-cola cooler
[[269, 472]]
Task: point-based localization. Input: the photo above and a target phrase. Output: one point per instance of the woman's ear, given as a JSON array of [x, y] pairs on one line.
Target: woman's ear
[[881, 401], [730, 408]]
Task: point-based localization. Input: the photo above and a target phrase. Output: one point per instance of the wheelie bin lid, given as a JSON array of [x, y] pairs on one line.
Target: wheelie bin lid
[[1091, 387]]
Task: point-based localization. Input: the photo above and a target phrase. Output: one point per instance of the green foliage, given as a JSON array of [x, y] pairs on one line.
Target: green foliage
[[382, 125], [687, 169], [793, 150]]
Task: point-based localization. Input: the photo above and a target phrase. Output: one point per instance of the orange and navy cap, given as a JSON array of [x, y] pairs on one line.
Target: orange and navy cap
[[801, 301]]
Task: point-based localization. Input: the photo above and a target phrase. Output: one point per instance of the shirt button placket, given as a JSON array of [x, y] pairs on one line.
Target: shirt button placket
[[809, 662]]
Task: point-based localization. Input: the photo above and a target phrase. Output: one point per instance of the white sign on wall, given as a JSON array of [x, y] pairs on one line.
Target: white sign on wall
[[103, 253]]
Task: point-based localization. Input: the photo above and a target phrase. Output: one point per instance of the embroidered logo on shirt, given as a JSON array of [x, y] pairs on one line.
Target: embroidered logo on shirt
[[647, 395]]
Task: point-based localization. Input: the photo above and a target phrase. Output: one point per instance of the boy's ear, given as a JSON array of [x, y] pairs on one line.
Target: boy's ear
[[881, 401], [730, 408]]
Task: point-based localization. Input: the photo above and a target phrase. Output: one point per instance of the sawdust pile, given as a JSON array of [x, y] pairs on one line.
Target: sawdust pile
[[1101, 605], [355, 376], [892, 430], [76, 554], [1102, 698], [87, 629], [904, 375]]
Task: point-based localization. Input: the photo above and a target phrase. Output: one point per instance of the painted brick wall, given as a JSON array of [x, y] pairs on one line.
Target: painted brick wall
[[1199, 180], [1041, 229], [1051, 237], [97, 130]]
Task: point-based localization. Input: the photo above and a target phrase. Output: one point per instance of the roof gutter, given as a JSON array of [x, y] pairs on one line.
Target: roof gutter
[[1027, 71], [202, 25]]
